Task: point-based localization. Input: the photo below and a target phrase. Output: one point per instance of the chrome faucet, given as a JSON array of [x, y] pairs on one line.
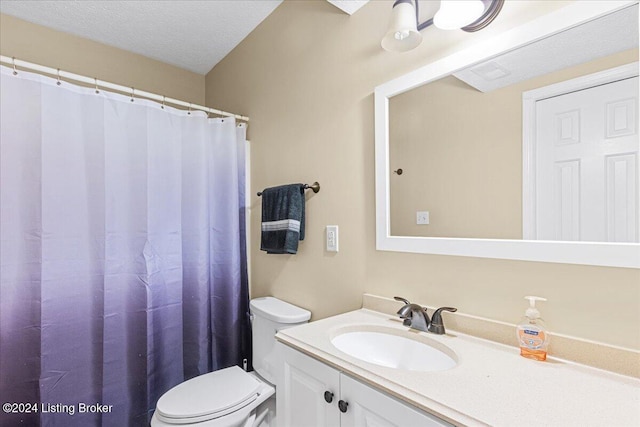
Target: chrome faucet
[[416, 317], [413, 315]]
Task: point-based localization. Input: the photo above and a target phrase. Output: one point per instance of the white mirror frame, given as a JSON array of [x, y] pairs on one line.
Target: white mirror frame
[[589, 253]]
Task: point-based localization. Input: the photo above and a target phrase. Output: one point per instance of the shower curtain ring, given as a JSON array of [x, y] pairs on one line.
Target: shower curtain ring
[[133, 92], [162, 106], [189, 112], [58, 73], [13, 60], [96, 81]]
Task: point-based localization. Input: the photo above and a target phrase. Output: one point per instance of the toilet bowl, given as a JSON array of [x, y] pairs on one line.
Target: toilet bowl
[[231, 397]]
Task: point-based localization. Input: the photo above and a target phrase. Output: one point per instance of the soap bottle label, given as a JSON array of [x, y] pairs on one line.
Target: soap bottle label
[[532, 343], [531, 338]]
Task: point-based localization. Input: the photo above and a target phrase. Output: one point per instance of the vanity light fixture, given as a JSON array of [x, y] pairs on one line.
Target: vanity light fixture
[[467, 15]]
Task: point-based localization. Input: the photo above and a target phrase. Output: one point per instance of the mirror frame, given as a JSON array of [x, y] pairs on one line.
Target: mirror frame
[[588, 253]]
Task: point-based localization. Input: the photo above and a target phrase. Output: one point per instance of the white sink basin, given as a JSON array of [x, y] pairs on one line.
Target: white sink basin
[[394, 351]]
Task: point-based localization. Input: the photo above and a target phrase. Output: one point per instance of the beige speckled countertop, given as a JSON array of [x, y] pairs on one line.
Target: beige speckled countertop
[[491, 384]]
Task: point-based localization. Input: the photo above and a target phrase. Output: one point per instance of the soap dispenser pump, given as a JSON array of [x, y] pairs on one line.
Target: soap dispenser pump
[[532, 333]]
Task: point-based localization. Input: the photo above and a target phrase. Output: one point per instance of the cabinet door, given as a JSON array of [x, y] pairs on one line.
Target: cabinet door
[[301, 392], [368, 407]]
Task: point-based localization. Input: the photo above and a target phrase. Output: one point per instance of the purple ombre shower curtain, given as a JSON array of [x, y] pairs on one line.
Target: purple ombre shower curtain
[[122, 252]]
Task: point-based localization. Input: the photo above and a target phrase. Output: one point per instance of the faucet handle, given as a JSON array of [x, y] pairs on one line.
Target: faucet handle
[[437, 326], [401, 299], [403, 311]]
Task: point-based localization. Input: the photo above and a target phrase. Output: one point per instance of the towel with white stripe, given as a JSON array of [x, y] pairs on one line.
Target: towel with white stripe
[[282, 219]]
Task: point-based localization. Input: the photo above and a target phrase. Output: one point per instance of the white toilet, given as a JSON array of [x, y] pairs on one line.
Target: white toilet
[[232, 397]]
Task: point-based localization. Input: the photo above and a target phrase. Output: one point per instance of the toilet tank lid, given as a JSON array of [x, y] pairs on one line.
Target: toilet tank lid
[[279, 311]]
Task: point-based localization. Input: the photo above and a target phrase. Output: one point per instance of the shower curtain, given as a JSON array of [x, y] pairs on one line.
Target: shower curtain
[[122, 252]]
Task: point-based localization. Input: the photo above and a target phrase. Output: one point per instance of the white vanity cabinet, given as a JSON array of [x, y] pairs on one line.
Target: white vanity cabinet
[[300, 392], [312, 394]]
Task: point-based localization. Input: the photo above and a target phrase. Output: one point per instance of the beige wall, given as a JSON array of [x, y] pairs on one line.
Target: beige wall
[[34, 43], [461, 154], [306, 76]]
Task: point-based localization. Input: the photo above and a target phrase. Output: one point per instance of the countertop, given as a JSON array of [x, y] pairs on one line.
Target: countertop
[[491, 384]]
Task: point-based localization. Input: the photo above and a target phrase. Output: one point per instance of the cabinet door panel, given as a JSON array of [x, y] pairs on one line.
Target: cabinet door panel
[[371, 408], [300, 396]]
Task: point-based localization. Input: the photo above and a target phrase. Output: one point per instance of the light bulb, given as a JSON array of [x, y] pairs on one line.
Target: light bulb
[[455, 14], [401, 35]]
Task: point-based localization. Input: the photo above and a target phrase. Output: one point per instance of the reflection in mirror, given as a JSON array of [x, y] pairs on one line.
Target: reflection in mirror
[[459, 142]]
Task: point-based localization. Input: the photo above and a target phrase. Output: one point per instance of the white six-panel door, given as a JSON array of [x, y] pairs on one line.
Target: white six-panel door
[[587, 164]]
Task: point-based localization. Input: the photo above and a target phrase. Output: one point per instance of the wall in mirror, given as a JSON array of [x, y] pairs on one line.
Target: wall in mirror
[[461, 155]]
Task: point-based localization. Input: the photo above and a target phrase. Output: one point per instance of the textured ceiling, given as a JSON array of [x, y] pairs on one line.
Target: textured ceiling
[[191, 34]]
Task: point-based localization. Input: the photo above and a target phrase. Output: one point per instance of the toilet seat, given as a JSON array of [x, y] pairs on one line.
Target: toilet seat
[[208, 396]]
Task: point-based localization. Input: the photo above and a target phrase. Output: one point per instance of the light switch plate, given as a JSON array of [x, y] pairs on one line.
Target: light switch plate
[[332, 238], [422, 217]]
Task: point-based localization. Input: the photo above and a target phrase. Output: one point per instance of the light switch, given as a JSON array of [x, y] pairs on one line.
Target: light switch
[[422, 217], [332, 238]]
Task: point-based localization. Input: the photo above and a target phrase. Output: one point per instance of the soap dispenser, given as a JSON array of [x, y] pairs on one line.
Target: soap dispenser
[[532, 333]]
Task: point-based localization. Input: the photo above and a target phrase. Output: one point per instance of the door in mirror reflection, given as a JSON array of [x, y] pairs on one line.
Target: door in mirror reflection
[[586, 164]]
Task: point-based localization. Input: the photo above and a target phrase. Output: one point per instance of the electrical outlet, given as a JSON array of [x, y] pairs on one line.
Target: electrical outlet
[[422, 217], [332, 238]]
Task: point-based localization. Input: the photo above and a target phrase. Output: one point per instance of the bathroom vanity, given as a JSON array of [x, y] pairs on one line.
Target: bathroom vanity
[[490, 383]]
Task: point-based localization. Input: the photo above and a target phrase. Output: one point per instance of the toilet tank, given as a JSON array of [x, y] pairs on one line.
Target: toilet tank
[[269, 315]]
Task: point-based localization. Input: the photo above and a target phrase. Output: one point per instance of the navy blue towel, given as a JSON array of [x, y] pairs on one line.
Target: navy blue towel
[[282, 219]]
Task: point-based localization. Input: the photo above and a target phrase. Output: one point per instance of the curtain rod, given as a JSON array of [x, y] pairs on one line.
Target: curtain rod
[[107, 85]]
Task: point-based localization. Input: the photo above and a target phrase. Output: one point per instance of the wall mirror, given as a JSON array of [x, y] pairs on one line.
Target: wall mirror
[[482, 153]]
